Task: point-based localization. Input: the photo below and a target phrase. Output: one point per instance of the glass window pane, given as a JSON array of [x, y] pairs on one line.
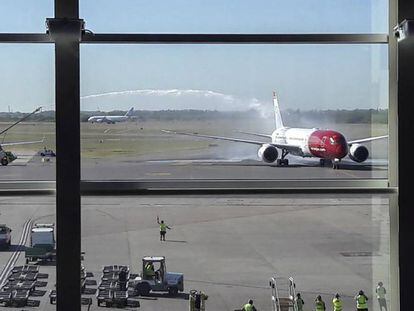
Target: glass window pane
[[25, 15], [226, 91], [27, 83], [236, 16], [27, 251], [229, 246]]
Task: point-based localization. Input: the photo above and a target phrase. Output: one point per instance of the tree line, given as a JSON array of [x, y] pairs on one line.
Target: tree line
[[290, 116]]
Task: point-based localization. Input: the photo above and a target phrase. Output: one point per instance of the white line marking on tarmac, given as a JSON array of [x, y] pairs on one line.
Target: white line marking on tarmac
[[15, 255], [158, 174], [23, 159]]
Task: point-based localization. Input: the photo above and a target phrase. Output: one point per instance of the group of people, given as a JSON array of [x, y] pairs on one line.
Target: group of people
[[361, 301]]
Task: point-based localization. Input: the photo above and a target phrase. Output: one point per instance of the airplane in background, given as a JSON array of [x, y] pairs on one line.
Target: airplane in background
[[7, 157], [328, 145], [112, 119]]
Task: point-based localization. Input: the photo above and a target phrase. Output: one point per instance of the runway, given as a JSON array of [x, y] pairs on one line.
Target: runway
[[229, 245], [129, 168]]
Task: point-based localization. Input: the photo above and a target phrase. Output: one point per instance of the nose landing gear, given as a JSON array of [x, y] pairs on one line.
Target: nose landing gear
[[335, 164]]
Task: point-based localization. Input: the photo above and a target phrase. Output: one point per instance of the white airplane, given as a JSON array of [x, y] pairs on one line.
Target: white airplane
[[112, 119], [328, 145], [7, 157]]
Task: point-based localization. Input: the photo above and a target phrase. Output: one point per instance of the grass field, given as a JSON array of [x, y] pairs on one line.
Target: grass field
[[143, 140]]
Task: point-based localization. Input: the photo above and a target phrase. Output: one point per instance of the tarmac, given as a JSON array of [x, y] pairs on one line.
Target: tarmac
[[228, 246], [31, 167]]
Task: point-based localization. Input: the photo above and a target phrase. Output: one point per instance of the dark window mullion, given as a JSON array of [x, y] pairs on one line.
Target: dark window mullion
[[68, 215]]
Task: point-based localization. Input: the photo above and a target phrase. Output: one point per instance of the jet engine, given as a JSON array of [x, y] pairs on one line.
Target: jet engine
[[358, 153], [267, 153]]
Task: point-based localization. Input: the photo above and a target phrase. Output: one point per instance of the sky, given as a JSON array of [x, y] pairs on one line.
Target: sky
[[222, 77]]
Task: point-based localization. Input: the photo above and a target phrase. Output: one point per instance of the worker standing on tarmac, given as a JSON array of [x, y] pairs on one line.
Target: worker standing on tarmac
[[361, 301], [299, 302], [319, 304], [380, 290], [337, 303], [122, 278], [163, 229], [249, 306]]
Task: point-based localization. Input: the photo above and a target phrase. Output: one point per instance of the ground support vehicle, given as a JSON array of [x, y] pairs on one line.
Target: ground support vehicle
[[283, 294], [47, 153], [112, 298], [17, 298], [110, 292], [6, 157], [84, 300], [42, 244], [21, 283], [52, 296], [162, 281], [84, 275], [5, 236], [26, 269], [23, 276], [18, 285]]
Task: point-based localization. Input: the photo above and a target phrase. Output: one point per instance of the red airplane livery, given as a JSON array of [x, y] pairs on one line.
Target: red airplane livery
[[328, 145]]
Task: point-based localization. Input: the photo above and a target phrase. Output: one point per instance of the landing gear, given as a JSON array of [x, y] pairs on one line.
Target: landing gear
[[282, 161], [335, 164], [325, 162]]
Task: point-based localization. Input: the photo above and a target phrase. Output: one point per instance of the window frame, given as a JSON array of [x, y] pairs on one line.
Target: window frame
[[69, 187]]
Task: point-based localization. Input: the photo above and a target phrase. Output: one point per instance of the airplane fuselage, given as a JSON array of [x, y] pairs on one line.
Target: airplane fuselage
[[325, 144], [107, 119]]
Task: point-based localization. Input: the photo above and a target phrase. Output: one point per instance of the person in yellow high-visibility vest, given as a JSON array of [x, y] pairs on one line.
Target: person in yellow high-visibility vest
[[249, 306], [337, 303], [149, 272], [163, 229], [361, 301], [319, 304]]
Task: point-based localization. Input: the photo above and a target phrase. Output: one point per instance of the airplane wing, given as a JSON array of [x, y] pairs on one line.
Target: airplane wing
[[256, 134], [22, 143], [254, 142], [364, 140], [246, 141]]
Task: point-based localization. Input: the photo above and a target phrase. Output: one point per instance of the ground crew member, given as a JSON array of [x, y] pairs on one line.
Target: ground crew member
[[163, 229], [380, 290], [299, 302], [319, 304], [149, 270], [249, 306], [122, 278], [361, 301], [197, 300], [337, 303]]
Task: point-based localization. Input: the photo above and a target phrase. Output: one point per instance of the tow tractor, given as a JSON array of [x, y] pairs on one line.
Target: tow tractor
[[160, 281], [6, 157], [283, 294], [5, 236], [42, 243]]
